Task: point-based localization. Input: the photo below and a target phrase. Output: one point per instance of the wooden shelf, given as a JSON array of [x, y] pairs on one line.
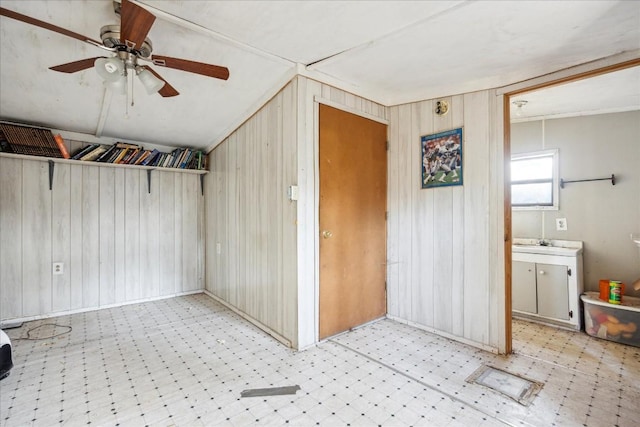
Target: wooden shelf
[[53, 160], [100, 164]]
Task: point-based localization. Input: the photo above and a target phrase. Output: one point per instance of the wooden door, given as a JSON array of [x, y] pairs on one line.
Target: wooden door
[[353, 195]]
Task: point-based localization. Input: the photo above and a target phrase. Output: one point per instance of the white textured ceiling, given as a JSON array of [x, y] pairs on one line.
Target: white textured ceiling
[[390, 52], [607, 93]]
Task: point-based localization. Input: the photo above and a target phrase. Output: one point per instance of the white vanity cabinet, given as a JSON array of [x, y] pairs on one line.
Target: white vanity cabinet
[[547, 282]]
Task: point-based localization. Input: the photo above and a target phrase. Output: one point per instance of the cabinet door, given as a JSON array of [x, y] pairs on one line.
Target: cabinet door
[[553, 294], [523, 288]]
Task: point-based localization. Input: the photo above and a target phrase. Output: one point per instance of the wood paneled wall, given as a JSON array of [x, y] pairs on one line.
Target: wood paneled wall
[[261, 246], [251, 258], [118, 242], [444, 244]]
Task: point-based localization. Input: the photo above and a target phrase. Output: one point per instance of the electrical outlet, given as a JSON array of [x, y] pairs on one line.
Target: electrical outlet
[[218, 248], [561, 224], [58, 268]]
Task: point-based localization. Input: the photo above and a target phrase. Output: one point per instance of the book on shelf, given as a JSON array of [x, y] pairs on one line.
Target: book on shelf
[[134, 158], [183, 156], [150, 158], [162, 159], [199, 164], [115, 153], [187, 159], [177, 153], [5, 147], [130, 152], [105, 156], [196, 160], [121, 154], [84, 151], [61, 146], [127, 145], [93, 154], [29, 140], [142, 158]]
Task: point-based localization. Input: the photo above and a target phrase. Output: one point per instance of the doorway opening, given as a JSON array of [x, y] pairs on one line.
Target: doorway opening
[[552, 100]]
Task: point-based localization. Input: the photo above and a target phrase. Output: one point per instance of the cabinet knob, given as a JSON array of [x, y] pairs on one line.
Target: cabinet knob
[[327, 234], [541, 271]]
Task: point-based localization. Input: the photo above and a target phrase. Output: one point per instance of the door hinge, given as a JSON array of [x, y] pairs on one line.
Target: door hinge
[[386, 215], [570, 314], [387, 145], [569, 272]]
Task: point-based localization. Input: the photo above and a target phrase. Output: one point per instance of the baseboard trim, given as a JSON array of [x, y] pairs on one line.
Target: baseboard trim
[[444, 334], [251, 320], [85, 310]]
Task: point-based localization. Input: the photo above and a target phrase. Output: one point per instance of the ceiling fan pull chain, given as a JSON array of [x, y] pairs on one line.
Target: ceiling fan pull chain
[[126, 98]]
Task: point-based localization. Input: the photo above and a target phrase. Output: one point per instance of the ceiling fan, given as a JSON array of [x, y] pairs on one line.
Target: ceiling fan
[[130, 45]]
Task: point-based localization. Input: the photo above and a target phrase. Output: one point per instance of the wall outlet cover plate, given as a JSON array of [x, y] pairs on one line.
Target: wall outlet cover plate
[[561, 224]]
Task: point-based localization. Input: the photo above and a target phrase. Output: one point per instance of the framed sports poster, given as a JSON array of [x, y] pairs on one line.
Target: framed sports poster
[[442, 159]]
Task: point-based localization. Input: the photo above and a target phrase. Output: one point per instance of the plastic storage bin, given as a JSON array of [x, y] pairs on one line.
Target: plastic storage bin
[[613, 322]]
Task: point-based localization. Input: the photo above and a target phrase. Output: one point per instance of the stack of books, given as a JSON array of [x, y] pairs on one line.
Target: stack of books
[[131, 154], [20, 139], [29, 140]]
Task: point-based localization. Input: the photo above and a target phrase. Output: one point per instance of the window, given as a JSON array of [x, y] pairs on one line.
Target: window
[[534, 180]]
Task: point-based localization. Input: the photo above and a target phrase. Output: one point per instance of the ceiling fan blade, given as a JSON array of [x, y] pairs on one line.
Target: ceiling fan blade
[[167, 90], [136, 23], [208, 70], [74, 67], [47, 26]]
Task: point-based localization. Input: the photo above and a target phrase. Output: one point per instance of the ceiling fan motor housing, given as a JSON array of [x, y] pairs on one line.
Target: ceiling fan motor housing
[[110, 35]]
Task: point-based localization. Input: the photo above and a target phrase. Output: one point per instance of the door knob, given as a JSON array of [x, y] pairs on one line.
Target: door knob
[[326, 234]]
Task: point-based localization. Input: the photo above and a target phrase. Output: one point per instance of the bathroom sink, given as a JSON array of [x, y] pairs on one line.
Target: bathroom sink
[[548, 247], [548, 250]]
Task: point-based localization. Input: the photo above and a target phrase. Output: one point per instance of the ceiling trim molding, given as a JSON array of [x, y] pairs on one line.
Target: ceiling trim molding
[[339, 84]]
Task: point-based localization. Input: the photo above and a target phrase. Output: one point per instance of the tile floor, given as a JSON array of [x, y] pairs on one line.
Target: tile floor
[[184, 362]]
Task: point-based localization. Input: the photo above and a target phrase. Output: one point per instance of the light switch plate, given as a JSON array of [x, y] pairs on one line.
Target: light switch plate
[[292, 192]]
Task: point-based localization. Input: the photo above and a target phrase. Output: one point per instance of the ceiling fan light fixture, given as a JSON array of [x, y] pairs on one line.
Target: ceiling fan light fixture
[[118, 86], [110, 69], [150, 82]]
